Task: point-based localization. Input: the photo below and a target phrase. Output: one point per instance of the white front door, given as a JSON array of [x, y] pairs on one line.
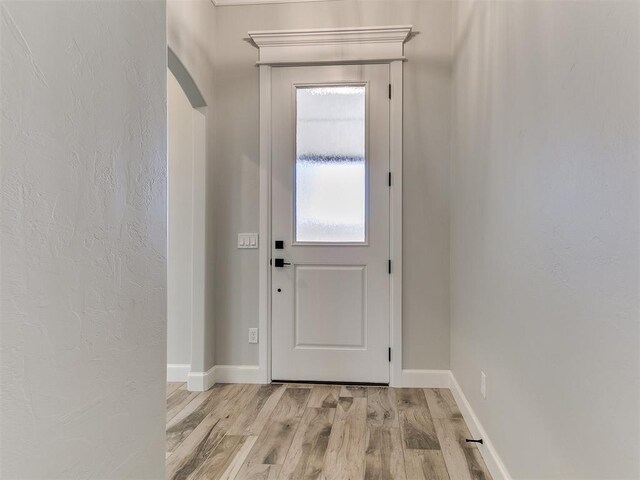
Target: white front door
[[330, 223]]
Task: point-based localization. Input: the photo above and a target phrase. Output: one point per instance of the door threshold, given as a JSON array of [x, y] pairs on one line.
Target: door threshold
[[320, 382]]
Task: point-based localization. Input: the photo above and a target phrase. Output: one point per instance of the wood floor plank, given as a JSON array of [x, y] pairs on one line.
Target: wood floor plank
[[193, 451], [381, 407], [457, 428], [324, 396], [477, 468], [172, 387], [441, 403], [188, 456], [193, 406], [214, 466], [258, 471], [306, 453], [238, 460], [370, 433], [426, 465], [345, 456], [384, 454], [353, 391], [179, 429], [418, 431], [178, 400], [275, 438], [265, 412], [461, 464], [246, 421]]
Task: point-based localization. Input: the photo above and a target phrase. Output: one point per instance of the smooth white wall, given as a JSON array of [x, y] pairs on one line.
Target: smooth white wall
[[180, 227], [83, 239], [545, 232], [211, 42]]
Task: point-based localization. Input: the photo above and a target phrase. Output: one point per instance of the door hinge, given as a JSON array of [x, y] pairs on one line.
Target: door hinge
[[389, 353], [389, 267], [389, 178], [389, 91]]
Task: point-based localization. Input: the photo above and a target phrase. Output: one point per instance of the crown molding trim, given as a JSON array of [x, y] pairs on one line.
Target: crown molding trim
[[230, 3], [325, 45]]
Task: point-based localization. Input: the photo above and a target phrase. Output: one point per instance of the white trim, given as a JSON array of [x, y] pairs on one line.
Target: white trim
[[201, 381], [177, 372], [230, 3], [331, 45], [264, 236], [198, 197], [237, 374], [199, 242], [302, 63], [489, 454], [327, 36], [395, 226], [410, 378]]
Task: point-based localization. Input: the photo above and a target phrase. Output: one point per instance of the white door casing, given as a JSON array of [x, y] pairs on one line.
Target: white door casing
[[330, 307], [381, 44]]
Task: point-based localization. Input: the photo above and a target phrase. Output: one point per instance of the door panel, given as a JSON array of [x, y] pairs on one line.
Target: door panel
[[331, 306], [330, 207]]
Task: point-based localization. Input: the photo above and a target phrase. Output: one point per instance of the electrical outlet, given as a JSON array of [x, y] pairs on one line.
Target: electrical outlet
[[483, 385], [253, 335]]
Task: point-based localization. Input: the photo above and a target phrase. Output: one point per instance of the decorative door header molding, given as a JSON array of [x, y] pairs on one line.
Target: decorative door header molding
[[331, 45]]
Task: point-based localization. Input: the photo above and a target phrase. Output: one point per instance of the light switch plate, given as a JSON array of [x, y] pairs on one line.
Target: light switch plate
[[253, 335], [247, 240]]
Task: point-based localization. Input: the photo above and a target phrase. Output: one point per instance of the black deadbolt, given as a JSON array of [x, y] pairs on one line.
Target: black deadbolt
[[279, 244]]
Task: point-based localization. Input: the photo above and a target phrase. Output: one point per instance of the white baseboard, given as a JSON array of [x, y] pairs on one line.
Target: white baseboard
[[200, 381], [424, 379], [237, 374], [177, 372], [491, 458]]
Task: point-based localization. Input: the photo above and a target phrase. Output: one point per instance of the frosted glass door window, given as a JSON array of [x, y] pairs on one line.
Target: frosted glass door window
[[330, 188]]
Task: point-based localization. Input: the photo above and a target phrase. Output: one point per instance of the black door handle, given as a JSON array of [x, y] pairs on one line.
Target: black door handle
[[279, 262]]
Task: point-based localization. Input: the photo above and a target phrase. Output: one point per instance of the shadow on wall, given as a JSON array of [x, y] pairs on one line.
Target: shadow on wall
[[185, 80]]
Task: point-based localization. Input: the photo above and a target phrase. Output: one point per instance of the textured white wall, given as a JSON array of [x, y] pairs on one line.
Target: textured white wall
[[210, 41], [83, 240], [545, 232], [180, 228]]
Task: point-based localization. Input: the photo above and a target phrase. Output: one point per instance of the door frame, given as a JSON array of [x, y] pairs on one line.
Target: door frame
[[332, 47]]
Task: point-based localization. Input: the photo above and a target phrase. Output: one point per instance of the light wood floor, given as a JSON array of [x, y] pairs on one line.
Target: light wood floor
[[299, 432]]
